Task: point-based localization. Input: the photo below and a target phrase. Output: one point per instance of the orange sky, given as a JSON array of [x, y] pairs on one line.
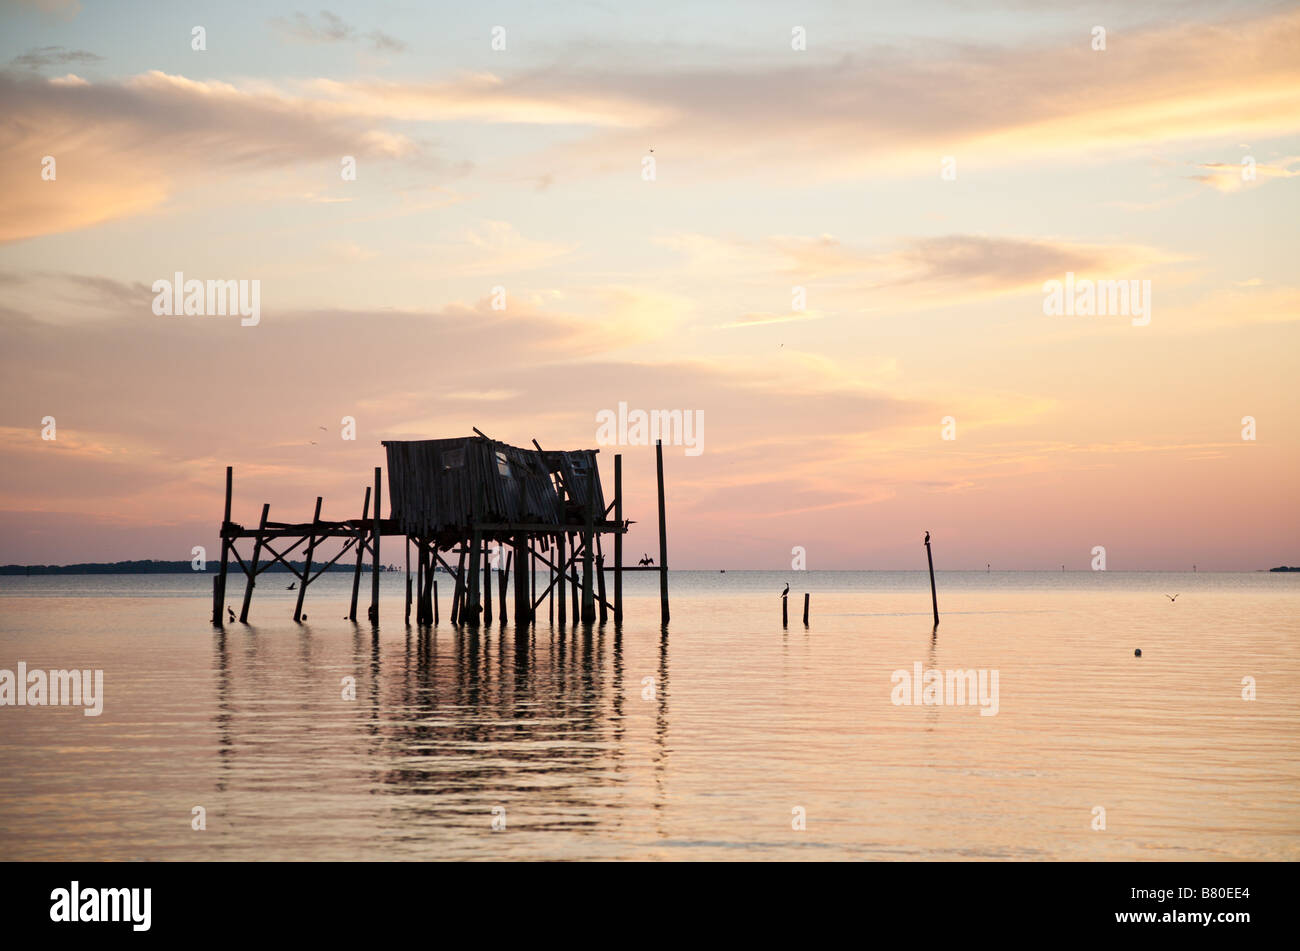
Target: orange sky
[[775, 168]]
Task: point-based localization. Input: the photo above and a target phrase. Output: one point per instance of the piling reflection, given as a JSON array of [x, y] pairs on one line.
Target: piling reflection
[[453, 718]]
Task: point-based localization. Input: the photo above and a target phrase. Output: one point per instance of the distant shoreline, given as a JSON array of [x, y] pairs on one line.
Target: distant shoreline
[[152, 567]]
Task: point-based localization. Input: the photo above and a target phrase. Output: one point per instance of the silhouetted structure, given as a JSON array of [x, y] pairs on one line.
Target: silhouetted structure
[[452, 499]]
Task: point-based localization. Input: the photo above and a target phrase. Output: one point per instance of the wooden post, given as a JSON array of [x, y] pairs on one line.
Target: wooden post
[[663, 534], [374, 571], [306, 566], [408, 580], [458, 591], [618, 538], [600, 586], [523, 597], [219, 589], [487, 585], [421, 583], [806, 597], [361, 554], [502, 577], [252, 571], [561, 596], [934, 597], [573, 586], [469, 608], [785, 610], [588, 555]]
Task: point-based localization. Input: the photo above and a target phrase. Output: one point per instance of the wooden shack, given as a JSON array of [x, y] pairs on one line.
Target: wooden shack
[[453, 500]]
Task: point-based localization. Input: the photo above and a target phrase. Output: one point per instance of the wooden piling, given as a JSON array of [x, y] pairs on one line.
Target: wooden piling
[[573, 583], [374, 571], [588, 556], [502, 577], [618, 538], [252, 570], [934, 597], [469, 609], [523, 597], [408, 580], [806, 598], [420, 583], [663, 534], [487, 585], [361, 555], [785, 610], [560, 597], [219, 589], [306, 567]]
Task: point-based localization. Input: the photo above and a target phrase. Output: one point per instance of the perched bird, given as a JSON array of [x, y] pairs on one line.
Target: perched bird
[[927, 539], [786, 592], [231, 611], [292, 586], [1173, 597]]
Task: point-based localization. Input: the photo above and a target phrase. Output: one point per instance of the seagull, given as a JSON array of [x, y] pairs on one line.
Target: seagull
[[1173, 597]]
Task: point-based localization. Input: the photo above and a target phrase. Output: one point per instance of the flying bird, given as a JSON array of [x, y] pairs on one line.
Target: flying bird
[[1173, 597]]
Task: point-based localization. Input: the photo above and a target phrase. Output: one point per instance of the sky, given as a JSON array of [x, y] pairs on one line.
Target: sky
[[836, 254]]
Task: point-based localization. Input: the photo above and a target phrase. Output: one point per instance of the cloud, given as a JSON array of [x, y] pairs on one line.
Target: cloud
[[328, 27], [1225, 177], [910, 272], [42, 56], [122, 148]]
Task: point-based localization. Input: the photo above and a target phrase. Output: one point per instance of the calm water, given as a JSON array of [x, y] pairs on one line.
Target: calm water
[[741, 724]]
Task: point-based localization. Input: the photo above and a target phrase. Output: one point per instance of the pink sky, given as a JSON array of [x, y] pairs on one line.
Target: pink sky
[[775, 169]]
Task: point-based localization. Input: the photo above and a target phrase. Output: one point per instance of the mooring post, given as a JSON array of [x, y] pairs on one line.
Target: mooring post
[[618, 538], [219, 589], [806, 598], [934, 598], [785, 610], [361, 555], [306, 566], [252, 571], [374, 570], [663, 534]]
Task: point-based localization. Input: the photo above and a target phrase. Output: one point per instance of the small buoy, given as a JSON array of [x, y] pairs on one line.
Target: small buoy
[[1138, 652]]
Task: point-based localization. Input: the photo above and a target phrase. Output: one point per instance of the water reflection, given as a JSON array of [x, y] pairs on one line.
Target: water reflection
[[459, 717]]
